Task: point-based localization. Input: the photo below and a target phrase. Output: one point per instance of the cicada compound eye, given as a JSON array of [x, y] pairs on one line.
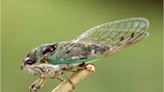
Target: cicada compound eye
[[28, 61]]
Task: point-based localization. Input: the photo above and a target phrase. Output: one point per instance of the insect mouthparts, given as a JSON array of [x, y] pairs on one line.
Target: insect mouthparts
[[22, 67]]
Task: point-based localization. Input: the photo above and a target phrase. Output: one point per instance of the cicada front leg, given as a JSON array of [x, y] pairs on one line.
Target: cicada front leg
[[58, 71], [40, 82]]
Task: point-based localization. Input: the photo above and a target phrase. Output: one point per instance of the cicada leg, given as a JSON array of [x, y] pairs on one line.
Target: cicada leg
[[51, 72], [73, 86], [60, 79], [40, 82]]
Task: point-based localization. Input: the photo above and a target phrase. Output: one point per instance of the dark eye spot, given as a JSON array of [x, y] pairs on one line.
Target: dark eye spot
[[28, 61]]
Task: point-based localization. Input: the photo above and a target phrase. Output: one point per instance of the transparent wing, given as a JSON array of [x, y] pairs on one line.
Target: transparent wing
[[117, 34], [103, 40]]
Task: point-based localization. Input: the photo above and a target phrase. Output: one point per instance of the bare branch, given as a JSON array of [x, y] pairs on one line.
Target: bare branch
[[75, 78]]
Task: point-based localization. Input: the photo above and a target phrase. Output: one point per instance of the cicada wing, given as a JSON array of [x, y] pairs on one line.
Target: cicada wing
[[118, 34], [103, 40]]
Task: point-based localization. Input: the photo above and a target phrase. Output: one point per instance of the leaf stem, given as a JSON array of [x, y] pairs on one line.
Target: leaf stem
[[75, 78]]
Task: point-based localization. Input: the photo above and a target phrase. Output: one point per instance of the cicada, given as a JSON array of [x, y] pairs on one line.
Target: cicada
[[98, 42]]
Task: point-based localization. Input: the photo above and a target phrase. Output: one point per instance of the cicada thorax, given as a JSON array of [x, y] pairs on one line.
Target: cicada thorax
[[46, 49]]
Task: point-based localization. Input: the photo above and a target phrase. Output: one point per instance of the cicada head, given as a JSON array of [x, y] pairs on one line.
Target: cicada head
[[30, 59]]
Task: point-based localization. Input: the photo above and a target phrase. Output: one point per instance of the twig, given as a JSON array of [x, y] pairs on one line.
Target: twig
[[75, 78]]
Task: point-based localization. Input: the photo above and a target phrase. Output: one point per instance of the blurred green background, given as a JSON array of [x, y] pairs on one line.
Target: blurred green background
[[27, 24]]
